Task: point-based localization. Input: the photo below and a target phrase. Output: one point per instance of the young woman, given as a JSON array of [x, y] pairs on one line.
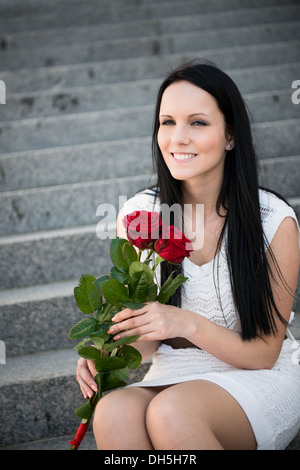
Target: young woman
[[223, 374]]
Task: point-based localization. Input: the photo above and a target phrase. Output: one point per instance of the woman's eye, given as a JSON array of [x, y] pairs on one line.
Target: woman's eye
[[199, 123], [167, 122]]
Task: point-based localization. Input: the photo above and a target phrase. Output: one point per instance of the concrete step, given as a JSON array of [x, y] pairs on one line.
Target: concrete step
[[75, 204], [39, 394], [149, 46], [75, 163], [67, 205], [60, 443], [135, 93], [64, 206], [58, 255], [131, 69], [72, 129], [43, 315], [281, 174], [149, 27], [89, 127], [85, 162], [40, 17], [57, 443]]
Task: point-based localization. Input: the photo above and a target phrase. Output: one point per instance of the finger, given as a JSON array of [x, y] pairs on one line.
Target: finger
[[129, 324], [128, 312], [139, 330], [85, 378]]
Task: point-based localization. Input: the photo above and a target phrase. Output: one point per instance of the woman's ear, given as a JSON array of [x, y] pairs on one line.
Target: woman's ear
[[230, 144]]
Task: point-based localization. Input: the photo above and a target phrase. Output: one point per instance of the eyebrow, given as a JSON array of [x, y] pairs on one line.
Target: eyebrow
[[191, 115]]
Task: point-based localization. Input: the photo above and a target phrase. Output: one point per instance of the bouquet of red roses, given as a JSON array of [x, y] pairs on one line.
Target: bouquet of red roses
[[130, 283]]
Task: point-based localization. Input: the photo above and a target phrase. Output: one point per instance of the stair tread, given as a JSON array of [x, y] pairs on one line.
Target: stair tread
[[65, 75]]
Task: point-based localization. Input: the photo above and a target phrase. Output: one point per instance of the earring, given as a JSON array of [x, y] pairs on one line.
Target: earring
[[228, 147]]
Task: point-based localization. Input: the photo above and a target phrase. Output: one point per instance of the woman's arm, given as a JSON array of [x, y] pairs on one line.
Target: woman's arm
[[158, 322]]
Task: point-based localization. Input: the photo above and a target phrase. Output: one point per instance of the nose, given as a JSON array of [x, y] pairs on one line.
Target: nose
[[180, 135]]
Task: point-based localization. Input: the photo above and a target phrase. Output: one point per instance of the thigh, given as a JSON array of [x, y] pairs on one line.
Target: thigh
[[200, 411], [119, 420]]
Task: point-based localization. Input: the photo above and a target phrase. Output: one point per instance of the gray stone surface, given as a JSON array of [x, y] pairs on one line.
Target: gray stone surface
[[39, 394], [75, 132], [64, 206], [116, 71]]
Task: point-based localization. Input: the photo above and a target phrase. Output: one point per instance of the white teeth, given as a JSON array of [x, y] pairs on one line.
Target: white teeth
[[183, 156]]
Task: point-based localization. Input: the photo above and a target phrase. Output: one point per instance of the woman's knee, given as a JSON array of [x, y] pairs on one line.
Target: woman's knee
[[162, 421]]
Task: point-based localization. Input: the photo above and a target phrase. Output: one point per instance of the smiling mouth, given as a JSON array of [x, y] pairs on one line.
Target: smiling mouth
[[184, 156]]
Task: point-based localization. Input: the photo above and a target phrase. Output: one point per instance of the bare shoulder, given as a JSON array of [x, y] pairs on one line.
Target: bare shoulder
[[286, 237], [121, 232]]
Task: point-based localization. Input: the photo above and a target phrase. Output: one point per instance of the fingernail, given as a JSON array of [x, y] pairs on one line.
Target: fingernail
[[111, 330]]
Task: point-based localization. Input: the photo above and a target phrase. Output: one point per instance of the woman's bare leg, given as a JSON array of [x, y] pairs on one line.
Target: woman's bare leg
[[119, 420], [198, 415]]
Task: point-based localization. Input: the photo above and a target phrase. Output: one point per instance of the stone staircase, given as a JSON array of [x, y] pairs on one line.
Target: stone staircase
[[81, 79]]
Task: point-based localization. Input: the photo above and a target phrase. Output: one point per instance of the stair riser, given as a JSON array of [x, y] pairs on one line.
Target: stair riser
[[119, 124], [143, 28], [91, 14], [43, 408], [44, 325], [53, 259], [116, 71], [140, 93], [65, 206], [100, 161], [142, 47]]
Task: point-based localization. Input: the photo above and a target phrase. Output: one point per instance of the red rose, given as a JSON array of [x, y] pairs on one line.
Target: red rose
[[143, 228], [173, 245]]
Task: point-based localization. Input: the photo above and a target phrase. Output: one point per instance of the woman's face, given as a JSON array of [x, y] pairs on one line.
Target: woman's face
[[192, 136]]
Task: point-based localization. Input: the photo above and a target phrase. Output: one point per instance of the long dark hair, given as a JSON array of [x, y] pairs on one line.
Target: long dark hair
[[246, 244]]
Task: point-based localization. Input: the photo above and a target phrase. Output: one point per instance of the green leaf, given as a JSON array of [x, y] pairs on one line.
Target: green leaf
[[89, 352], [169, 288], [129, 253], [122, 374], [114, 273], [133, 305], [81, 343], [132, 356], [98, 341], [110, 381], [84, 328], [84, 411], [107, 364], [87, 295], [115, 344], [114, 292], [116, 254], [137, 267], [152, 293], [138, 286], [106, 312], [99, 280]]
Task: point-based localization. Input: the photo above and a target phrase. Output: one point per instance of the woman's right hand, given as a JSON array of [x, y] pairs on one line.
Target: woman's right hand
[[86, 372]]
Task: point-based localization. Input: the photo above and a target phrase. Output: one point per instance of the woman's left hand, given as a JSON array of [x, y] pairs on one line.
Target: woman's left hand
[[154, 321]]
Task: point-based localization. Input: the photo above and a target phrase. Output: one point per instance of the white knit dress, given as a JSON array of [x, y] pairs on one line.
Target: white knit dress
[[270, 398]]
